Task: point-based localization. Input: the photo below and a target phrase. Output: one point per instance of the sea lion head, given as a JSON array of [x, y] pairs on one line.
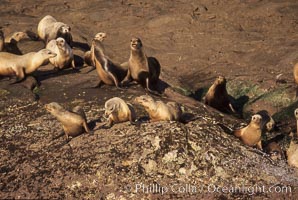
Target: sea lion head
[[296, 113], [47, 53], [136, 43], [100, 36], [256, 119], [145, 100], [110, 108], [60, 42], [53, 107], [220, 80], [64, 29], [17, 36]]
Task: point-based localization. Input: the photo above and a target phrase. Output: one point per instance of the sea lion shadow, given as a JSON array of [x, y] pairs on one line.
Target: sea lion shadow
[[239, 103], [79, 61], [92, 123], [198, 94], [81, 46], [44, 75]]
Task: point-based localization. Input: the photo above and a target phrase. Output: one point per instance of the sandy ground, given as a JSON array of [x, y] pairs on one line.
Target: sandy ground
[[250, 42]]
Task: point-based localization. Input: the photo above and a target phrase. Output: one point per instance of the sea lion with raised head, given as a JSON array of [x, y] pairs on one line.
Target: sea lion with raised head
[[251, 134], [145, 70], [21, 65], [217, 96], [64, 53], [108, 71], [158, 110], [49, 29], [88, 56], [73, 122]]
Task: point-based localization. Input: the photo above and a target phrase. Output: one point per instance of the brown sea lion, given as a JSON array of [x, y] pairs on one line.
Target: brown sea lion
[[20, 65], [9, 43], [251, 134], [74, 123], [88, 56], [158, 110], [217, 96], [116, 110], [49, 29], [145, 70], [109, 72], [64, 53]]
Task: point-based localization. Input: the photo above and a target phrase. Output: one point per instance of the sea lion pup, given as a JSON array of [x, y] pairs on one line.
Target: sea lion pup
[[116, 110], [21, 65], [251, 134], [49, 29], [158, 110], [109, 72], [267, 123], [64, 53], [292, 152], [217, 96], [143, 69], [88, 56], [274, 151], [73, 123]]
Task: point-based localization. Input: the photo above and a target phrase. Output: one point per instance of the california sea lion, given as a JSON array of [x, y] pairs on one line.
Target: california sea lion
[[251, 134], [9, 43], [88, 56], [15, 37], [143, 69], [73, 123], [49, 29], [158, 110], [109, 72], [217, 96], [64, 53], [116, 110], [20, 65]]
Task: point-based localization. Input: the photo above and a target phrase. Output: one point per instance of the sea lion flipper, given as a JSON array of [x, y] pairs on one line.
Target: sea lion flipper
[[73, 64], [85, 125], [127, 78]]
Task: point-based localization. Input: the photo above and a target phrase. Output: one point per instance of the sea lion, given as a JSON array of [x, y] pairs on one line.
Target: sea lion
[[73, 122], [267, 123], [64, 53], [88, 56], [116, 110], [145, 70], [49, 29], [158, 110], [217, 96], [251, 134], [274, 151], [292, 152], [20, 65], [109, 72]]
